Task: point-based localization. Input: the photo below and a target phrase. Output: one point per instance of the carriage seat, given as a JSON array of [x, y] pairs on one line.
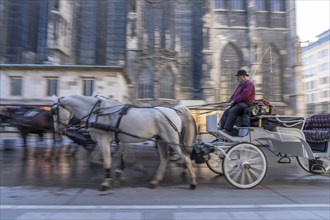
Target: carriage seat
[[243, 122], [249, 118], [317, 132], [259, 107]]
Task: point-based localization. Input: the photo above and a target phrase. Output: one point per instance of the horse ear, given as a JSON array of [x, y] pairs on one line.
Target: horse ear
[[55, 98]]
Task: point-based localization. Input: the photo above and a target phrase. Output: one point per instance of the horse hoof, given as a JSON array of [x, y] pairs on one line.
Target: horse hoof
[[193, 186], [104, 188], [118, 174], [152, 185]]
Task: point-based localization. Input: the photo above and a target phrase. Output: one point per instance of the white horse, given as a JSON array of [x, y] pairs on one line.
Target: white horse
[[110, 120]]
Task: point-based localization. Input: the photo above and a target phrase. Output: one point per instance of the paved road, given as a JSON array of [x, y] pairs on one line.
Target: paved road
[[68, 189]]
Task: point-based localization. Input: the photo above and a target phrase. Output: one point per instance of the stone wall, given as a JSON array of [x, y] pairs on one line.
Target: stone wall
[[110, 82]]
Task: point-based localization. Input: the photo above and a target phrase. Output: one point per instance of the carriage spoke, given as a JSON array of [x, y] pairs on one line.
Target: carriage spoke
[[233, 168], [255, 171], [249, 176], [236, 175], [243, 172], [257, 160], [245, 165]]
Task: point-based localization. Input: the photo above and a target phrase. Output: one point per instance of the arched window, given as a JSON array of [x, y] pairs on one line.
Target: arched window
[[271, 76], [167, 88], [145, 85], [231, 62]]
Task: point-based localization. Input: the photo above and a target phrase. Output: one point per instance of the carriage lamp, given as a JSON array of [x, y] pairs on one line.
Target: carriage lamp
[[260, 108]]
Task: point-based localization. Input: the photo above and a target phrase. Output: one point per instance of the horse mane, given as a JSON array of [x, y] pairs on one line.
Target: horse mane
[[75, 99]]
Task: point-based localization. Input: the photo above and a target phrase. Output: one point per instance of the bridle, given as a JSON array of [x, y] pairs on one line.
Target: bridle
[[56, 112]]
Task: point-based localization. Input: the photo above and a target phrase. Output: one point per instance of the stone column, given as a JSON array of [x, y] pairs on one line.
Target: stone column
[[296, 100], [207, 83]]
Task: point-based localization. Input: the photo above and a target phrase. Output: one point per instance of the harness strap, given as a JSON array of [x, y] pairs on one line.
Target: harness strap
[[123, 112], [112, 129], [92, 111], [173, 125]]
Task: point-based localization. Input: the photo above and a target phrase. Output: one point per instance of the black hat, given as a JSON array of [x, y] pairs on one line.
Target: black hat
[[241, 73]]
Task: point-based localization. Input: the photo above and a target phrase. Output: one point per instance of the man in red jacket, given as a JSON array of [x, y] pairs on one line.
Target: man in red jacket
[[243, 96]]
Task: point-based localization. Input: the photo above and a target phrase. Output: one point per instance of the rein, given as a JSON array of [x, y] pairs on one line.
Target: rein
[[92, 111]]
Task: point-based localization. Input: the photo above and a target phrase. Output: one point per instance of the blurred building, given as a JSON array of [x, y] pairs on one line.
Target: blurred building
[[316, 71], [30, 84], [23, 31], [171, 50], [100, 32]]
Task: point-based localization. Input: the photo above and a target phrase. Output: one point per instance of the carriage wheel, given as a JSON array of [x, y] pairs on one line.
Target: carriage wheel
[[316, 168], [244, 166], [215, 163]]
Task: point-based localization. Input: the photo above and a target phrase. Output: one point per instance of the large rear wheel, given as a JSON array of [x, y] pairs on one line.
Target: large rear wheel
[[215, 163], [245, 165]]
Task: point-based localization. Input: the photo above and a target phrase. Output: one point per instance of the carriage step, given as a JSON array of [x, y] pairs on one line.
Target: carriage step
[[284, 160]]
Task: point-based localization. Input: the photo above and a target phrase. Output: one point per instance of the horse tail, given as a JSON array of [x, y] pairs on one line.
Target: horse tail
[[189, 130]]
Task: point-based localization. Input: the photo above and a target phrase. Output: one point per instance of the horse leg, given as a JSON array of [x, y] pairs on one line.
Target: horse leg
[[24, 137], [126, 156], [54, 151], [73, 150], [163, 154], [188, 165], [95, 156], [104, 142], [57, 138], [38, 150], [120, 168]]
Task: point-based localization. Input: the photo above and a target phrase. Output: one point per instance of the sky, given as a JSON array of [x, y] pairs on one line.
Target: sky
[[312, 18]]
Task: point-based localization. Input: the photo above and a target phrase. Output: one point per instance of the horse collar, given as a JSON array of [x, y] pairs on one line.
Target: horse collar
[[92, 111]]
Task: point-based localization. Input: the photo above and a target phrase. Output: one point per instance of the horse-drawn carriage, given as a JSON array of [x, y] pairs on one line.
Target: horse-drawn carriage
[[240, 158]]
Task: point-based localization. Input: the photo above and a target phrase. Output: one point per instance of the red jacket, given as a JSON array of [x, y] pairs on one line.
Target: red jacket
[[245, 92]]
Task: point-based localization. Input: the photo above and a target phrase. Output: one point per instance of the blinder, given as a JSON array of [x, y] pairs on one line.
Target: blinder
[[55, 110]]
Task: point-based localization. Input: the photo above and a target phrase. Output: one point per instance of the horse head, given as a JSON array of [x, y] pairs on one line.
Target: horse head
[[72, 110], [61, 115]]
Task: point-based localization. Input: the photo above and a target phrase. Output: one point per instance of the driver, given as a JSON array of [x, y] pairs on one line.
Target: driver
[[243, 96]]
